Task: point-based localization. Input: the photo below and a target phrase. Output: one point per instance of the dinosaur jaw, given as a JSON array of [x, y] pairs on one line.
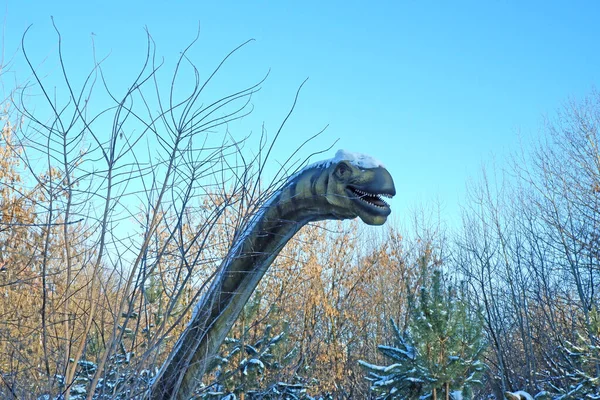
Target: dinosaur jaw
[[370, 206]]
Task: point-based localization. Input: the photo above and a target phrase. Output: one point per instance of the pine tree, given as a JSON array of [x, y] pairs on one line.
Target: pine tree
[[439, 354], [402, 379], [581, 367]]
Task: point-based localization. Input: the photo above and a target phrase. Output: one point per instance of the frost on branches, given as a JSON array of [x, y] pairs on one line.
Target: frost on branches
[[581, 364]]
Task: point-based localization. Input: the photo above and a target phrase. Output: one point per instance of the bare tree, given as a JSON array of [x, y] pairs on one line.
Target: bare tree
[[129, 188], [563, 176], [528, 250], [122, 193]]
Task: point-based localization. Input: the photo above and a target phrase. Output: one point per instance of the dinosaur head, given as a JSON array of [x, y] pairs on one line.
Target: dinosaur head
[[355, 189]]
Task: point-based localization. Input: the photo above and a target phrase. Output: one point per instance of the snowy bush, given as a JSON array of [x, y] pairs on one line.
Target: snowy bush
[[440, 353]]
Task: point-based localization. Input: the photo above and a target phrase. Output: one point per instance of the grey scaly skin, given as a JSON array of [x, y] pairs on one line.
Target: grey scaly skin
[[340, 190]]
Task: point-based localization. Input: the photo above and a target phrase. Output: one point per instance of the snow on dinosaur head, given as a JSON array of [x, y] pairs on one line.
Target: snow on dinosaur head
[[356, 185], [357, 159]]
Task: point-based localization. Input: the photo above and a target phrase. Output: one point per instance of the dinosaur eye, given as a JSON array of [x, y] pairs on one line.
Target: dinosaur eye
[[343, 170]]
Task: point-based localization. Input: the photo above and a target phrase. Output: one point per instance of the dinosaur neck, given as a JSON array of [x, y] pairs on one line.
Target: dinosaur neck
[[300, 201]]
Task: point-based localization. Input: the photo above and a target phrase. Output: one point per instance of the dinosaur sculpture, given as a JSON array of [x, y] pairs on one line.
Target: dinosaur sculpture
[[348, 186]]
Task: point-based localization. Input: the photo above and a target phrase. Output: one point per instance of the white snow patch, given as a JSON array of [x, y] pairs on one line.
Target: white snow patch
[[522, 395], [391, 367], [456, 395], [253, 361], [372, 366], [78, 389], [358, 159], [525, 395], [257, 362]]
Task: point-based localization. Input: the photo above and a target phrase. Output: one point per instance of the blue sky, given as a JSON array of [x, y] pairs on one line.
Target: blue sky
[[432, 89]]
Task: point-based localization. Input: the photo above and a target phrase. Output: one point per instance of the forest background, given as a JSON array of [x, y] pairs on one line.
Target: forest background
[[119, 197]]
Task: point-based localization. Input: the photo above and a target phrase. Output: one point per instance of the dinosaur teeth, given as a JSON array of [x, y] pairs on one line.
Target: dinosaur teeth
[[372, 199], [362, 192], [373, 204]]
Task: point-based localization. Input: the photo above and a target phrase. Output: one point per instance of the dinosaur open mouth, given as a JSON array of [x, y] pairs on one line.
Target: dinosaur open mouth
[[372, 199]]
